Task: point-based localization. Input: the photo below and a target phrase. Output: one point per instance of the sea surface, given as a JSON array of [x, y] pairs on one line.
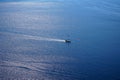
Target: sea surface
[[33, 34]]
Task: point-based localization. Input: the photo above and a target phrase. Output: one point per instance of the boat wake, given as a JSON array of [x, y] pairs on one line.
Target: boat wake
[[30, 37], [42, 38]]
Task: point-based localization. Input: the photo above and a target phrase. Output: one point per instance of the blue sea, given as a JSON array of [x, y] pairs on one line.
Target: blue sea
[[33, 34]]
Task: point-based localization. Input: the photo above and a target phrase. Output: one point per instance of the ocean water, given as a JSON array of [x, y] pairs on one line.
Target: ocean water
[[33, 34]]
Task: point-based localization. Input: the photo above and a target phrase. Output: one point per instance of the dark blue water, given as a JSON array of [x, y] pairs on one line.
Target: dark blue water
[[32, 35]]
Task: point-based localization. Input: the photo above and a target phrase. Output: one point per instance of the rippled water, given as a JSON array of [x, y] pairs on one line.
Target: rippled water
[[33, 34]]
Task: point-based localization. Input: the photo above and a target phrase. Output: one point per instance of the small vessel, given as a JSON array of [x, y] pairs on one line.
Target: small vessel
[[67, 41]]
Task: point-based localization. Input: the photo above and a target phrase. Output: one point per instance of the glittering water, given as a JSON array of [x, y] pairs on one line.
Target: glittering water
[[33, 34]]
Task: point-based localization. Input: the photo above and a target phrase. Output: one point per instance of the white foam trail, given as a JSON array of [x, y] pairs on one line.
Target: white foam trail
[[33, 37], [42, 38]]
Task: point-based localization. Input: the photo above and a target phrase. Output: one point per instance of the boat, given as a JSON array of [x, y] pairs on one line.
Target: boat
[[67, 41]]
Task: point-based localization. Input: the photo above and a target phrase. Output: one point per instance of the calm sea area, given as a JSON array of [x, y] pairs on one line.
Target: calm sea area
[[33, 34]]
